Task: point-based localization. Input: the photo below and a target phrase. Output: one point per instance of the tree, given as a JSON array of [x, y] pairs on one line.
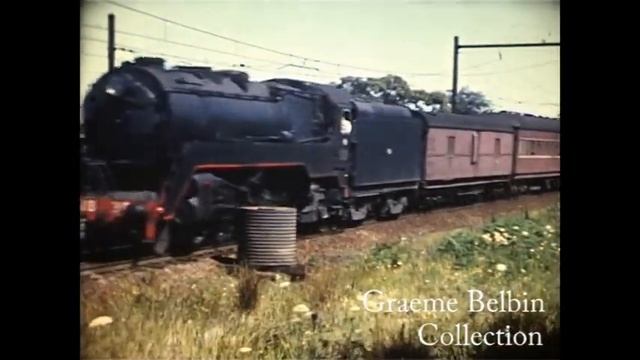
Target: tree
[[393, 89], [471, 102]]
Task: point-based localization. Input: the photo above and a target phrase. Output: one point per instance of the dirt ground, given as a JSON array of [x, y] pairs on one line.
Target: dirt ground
[[349, 241]]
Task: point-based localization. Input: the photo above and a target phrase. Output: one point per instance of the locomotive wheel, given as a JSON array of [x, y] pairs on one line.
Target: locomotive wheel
[[175, 239], [135, 218], [181, 239], [310, 228]]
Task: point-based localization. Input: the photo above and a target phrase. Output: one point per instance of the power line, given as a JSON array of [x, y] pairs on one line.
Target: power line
[[189, 60], [198, 30], [283, 65], [183, 44], [527, 102], [475, 66], [93, 55], [87, 38], [304, 58], [456, 49], [139, 50], [425, 74], [512, 69], [240, 55]]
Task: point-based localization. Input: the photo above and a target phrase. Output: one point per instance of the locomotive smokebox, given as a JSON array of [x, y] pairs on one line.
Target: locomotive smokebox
[[268, 237]]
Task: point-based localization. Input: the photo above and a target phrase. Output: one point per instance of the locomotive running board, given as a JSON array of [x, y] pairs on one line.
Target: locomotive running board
[[372, 192], [533, 176]]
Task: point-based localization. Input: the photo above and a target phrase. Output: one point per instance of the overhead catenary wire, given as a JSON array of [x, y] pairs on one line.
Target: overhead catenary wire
[[205, 61], [263, 48], [184, 44], [519, 68], [92, 55], [192, 60], [140, 50], [456, 52], [527, 102], [282, 64], [475, 66], [505, 102]]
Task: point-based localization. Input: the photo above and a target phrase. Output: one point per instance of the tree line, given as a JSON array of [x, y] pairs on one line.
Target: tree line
[[393, 89]]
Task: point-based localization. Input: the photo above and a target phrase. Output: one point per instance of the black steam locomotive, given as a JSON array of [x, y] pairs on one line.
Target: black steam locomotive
[[171, 154]]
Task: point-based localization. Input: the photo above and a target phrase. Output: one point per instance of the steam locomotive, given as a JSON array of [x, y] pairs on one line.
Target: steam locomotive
[[173, 153]]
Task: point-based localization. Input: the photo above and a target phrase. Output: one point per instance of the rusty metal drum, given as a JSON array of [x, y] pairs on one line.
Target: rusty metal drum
[[269, 236]]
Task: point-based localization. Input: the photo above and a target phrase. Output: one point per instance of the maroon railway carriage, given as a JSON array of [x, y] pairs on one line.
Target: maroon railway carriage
[[538, 157], [464, 148], [480, 154]]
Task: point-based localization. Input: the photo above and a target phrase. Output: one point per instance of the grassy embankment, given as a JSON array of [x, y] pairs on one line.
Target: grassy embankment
[[200, 311]]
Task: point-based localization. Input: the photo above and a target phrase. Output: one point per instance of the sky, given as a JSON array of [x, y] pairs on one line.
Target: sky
[[369, 38]]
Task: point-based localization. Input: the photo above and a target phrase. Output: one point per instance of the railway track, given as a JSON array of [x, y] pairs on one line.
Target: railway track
[[486, 209], [151, 261], [87, 269]]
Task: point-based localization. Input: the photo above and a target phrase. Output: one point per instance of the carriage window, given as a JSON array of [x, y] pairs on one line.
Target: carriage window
[[451, 145], [496, 147], [528, 147], [524, 147], [538, 147]]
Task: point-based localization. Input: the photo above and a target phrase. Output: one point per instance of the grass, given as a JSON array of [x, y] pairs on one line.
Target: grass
[[200, 311]]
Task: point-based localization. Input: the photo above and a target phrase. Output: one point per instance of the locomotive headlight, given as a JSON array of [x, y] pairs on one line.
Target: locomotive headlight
[[88, 206]]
